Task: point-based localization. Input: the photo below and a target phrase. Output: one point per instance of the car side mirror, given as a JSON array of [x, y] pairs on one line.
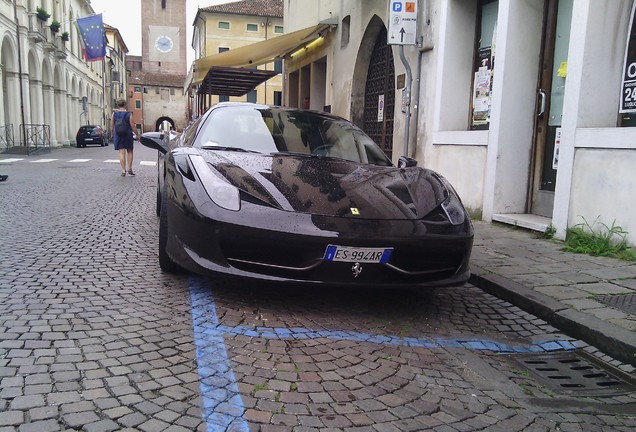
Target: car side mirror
[[155, 141], [406, 162]]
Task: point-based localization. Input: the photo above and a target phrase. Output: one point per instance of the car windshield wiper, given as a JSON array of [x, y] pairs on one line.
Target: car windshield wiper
[[289, 153], [227, 148]]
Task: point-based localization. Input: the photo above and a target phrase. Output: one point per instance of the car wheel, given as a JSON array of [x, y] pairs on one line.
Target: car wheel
[[158, 202], [165, 262]]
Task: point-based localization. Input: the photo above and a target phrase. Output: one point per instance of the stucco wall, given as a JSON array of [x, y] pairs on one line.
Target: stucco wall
[[237, 36], [603, 186]]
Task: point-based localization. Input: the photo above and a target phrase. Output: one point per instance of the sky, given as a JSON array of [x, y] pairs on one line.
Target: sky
[[125, 15]]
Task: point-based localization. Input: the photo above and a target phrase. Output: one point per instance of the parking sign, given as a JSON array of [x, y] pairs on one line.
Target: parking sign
[[402, 22]]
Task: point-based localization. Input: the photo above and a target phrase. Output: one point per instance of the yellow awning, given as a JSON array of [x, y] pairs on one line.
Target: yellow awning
[[253, 55]]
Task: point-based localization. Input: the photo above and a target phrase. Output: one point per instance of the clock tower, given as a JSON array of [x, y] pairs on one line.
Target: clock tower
[[164, 36], [158, 75]]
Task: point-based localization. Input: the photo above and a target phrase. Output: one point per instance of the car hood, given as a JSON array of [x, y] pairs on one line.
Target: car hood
[[331, 187]]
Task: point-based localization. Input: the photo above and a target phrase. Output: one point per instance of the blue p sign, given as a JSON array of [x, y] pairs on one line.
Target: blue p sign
[[397, 6]]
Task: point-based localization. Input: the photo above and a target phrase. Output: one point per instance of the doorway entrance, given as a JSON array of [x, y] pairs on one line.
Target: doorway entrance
[[557, 19], [379, 95]]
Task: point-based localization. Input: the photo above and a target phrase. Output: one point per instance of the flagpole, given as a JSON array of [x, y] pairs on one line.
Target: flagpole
[[104, 92]]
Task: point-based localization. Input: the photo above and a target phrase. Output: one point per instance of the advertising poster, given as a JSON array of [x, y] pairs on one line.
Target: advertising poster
[[628, 85], [482, 89]]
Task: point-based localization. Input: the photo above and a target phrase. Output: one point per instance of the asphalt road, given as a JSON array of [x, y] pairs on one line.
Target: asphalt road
[[94, 337]]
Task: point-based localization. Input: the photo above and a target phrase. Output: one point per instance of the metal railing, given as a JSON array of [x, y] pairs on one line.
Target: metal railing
[[6, 137], [38, 137]]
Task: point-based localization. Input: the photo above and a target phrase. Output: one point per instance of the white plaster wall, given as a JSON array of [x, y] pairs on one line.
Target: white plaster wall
[[463, 166], [596, 54], [603, 186], [603, 55], [512, 113]]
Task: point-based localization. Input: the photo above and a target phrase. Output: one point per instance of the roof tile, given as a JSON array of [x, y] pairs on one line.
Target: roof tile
[[266, 8]]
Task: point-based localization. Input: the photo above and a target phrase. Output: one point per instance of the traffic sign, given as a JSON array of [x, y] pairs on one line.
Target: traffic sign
[[402, 22]]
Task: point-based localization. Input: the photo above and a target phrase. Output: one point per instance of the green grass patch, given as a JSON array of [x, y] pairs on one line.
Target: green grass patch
[[599, 239]]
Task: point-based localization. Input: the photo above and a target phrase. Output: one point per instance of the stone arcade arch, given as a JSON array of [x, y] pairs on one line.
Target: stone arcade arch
[[161, 120], [34, 89], [9, 87]]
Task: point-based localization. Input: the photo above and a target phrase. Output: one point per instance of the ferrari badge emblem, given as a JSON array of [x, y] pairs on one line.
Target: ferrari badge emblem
[[355, 211], [356, 269]]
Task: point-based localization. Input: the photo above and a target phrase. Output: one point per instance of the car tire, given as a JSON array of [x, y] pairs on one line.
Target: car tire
[[165, 262]]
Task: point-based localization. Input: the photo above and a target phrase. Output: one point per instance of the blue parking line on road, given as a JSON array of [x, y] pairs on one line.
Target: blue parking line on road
[[223, 407]]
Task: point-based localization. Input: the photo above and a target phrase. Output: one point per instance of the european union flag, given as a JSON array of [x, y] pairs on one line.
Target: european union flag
[[92, 36]]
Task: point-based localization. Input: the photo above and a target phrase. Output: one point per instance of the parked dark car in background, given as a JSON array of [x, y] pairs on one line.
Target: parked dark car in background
[[90, 134], [290, 195]]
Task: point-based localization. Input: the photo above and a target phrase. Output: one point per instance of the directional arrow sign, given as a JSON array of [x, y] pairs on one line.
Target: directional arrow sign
[[402, 22]]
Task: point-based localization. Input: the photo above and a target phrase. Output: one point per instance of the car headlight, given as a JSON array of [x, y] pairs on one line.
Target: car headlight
[[218, 189], [452, 205]]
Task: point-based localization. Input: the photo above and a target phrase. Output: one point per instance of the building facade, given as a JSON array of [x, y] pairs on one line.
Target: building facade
[[47, 90], [535, 138], [229, 26], [157, 81]]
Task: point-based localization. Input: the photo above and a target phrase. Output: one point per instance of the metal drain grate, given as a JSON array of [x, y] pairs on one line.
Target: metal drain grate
[[576, 372], [623, 302]]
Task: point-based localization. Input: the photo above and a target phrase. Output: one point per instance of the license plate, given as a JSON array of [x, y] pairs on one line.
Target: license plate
[[88, 139], [356, 254]]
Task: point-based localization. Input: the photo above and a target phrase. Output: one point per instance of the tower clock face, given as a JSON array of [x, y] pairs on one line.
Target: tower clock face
[[164, 44]]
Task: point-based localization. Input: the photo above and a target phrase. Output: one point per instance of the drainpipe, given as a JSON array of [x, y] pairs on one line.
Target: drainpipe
[[418, 78], [409, 80], [17, 28]]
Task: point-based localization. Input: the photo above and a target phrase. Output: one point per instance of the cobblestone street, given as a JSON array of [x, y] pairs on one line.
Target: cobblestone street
[[94, 337]]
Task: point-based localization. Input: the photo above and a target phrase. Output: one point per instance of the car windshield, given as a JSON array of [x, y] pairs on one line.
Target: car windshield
[[273, 130]]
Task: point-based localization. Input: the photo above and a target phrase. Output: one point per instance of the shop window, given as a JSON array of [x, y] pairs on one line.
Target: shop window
[[627, 116], [224, 25], [278, 29], [483, 65], [251, 27]]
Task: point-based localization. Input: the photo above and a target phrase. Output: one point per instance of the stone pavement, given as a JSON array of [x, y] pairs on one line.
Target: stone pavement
[[590, 298]]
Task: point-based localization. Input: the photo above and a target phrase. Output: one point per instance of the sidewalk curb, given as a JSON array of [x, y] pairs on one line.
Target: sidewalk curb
[[615, 341]]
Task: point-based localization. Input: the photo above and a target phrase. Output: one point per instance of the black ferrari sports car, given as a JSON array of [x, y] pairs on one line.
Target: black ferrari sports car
[[291, 195]]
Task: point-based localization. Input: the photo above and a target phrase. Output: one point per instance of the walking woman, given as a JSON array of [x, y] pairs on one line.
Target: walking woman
[[122, 126]]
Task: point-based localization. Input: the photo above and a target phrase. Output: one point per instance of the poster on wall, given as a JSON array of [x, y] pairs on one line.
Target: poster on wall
[[482, 86], [628, 85], [557, 144], [380, 108]]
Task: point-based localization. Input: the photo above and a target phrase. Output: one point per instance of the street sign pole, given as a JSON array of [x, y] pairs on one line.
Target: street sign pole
[[403, 31]]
